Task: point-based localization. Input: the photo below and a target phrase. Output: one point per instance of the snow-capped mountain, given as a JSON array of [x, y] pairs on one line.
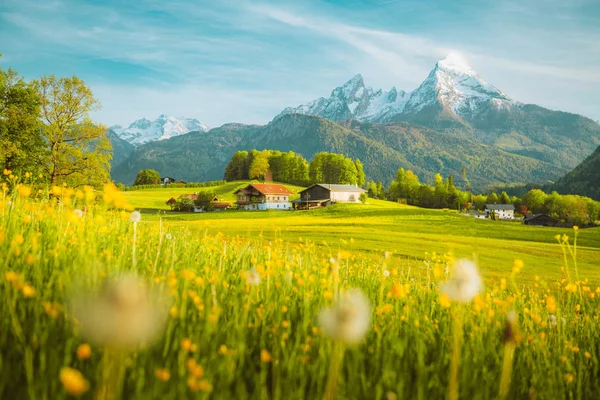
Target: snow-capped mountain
[[143, 131], [354, 100], [452, 85]]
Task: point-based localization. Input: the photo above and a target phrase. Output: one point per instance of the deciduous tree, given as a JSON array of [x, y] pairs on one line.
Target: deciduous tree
[[78, 149]]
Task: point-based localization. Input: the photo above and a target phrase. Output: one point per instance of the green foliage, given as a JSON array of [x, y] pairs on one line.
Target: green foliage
[[363, 197], [259, 165], [147, 177], [204, 200], [583, 180], [563, 208], [79, 149], [183, 205], [21, 144], [236, 168], [335, 168], [285, 167]]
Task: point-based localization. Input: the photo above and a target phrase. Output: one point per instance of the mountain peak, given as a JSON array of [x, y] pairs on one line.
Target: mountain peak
[[163, 127], [456, 63]]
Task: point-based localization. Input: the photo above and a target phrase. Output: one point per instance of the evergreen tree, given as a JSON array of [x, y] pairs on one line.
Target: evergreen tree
[[235, 168]]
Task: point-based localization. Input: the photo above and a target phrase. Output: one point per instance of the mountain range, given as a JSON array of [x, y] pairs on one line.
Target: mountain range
[[454, 119], [144, 131]]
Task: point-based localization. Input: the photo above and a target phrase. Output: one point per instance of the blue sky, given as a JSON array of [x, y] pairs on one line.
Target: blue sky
[[244, 61]]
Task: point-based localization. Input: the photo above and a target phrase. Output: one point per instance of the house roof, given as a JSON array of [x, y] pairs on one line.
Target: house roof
[[500, 207], [336, 187], [266, 188], [189, 196], [534, 216]]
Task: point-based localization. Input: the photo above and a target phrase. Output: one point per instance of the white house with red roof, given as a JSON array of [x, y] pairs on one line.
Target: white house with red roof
[[263, 196]]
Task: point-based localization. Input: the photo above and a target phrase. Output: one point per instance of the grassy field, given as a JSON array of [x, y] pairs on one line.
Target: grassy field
[[155, 199], [410, 233], [99, 302]]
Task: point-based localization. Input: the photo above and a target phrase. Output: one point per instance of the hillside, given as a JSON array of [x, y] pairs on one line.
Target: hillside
[[383, 148], [584, 179], [121, 148]]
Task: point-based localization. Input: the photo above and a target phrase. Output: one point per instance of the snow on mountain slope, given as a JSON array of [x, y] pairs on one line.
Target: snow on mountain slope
[[354, 100], [143, 131], [452, 83], [456, 86]]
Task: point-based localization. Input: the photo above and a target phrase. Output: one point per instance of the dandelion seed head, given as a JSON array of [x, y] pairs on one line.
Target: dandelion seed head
[[349, 320], [253, 277], [135, 216], [123, 313], [466, 282]]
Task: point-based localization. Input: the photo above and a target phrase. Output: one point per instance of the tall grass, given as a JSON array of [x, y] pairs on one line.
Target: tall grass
[[227, 335]]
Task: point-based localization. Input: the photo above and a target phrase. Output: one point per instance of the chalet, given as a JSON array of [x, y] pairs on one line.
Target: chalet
[[263, 196], [502, 211], [323, 194]]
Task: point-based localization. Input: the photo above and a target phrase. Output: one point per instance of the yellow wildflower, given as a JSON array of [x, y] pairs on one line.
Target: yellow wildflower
[[28, 290], [84, 351], [163, 374], [445, 301], [265, 356], [73, 381]]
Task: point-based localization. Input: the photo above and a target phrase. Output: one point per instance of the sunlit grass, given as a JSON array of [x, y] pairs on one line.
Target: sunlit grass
[[242, 293]]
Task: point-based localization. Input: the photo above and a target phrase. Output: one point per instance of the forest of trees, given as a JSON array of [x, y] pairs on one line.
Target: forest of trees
[[46, 131], [407, 189], [293, 168]]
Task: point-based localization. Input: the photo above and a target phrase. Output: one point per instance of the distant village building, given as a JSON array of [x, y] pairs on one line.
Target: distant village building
[[262, 196], [217, 204], [165, 180], [501, 211], [480, 215], [539, 220], [323, 194]]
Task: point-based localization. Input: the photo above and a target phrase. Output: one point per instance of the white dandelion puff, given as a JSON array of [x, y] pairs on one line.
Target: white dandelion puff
[[78, 212], [386, 273], [253, 277], [169, 236], [349, 320], [465, 284], [135, 216], [123, 313]]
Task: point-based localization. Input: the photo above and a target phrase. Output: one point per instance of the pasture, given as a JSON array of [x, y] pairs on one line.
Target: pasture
[[99, 302], [410, 233]]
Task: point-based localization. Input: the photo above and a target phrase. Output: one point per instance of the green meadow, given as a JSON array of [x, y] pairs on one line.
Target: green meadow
[[411, 234]]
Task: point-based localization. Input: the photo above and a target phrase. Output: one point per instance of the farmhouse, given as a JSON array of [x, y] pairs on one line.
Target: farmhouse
[[324, 194], [262, 196], [502, 211]]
